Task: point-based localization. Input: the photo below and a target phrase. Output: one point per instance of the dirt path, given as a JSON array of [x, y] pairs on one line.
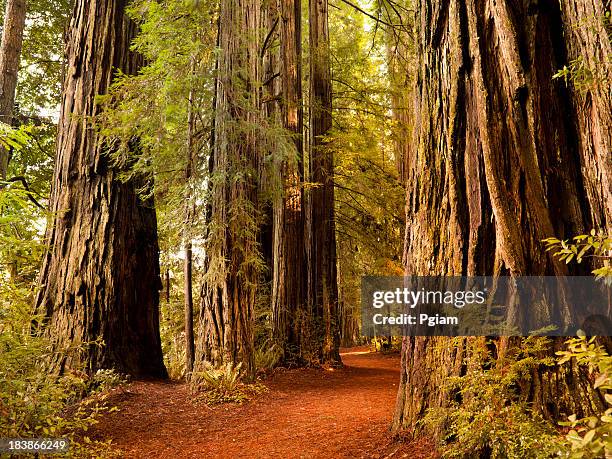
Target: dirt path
[[306, 413]]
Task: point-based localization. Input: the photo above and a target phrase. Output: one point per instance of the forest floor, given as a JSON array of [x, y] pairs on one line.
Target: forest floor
[[305, 413]]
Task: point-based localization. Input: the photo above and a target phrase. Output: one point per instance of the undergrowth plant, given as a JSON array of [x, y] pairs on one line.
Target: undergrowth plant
[[223, 385], [487, 417], [596, 245], [591, 437]]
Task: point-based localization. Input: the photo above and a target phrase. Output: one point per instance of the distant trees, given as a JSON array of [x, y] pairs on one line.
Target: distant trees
[[100, 278], [10, 55], [304, 326]]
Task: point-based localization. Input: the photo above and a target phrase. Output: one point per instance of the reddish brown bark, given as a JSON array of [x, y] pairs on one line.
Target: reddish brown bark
[[502, 156], [289, 281], [100, 278], [322, 275], [233, 261]]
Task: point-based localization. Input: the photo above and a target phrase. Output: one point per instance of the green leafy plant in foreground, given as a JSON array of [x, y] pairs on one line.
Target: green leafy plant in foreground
[[596, 244], [487, 417], [591, 437]]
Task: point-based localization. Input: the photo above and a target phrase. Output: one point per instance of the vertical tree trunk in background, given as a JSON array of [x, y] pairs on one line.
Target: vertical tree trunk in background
[[101, 277], [270, 109], [233, 261], [289, 280], [322, 276], [10, 54], [401, 75], [502, 156], [187, 237], [269, 170], [167, 276], [189, 339]]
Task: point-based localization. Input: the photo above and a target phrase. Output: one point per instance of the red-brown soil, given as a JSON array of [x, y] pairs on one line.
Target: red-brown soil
[[306, 413]]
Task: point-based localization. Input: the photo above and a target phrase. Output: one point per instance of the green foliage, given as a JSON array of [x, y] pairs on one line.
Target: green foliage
[[386, 345], [153, 106], [268, 356], [590, 437], [596, 245], [369, 194], [594, 73], [40, 82], [223, 385], [34, 403], [486, 416]]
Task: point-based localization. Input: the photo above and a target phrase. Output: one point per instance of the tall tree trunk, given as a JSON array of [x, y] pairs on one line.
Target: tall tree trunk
[[187, 237], [189, 339], [100, 278], [501, 158], [322, 276], [233, 260], [10, 54], [289, 285]]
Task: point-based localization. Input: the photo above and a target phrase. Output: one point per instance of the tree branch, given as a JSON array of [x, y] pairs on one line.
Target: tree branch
[[25, 185]]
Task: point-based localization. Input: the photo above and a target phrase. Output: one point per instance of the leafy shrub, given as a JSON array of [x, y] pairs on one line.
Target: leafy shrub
[[224, 379], [486, 418], [267, 357], [596, 245], [591, 437], [223, 385]]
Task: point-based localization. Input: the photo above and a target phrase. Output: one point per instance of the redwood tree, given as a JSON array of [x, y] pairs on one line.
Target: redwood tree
[[322, 272], [233, 262], [502, 156], [289, 277], [100, 277]]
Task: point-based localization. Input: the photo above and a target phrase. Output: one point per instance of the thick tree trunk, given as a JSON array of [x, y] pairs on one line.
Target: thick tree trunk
[[10, 54], [502, 156], [101, 277], [588, 38], [289, 280], [322, 276], [233, 260]]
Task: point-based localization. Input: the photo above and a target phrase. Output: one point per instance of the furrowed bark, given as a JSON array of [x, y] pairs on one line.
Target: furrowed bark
[[289, 281], [502, 156], [100, 277], [322, 276], [233, 261], [187, 237]]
